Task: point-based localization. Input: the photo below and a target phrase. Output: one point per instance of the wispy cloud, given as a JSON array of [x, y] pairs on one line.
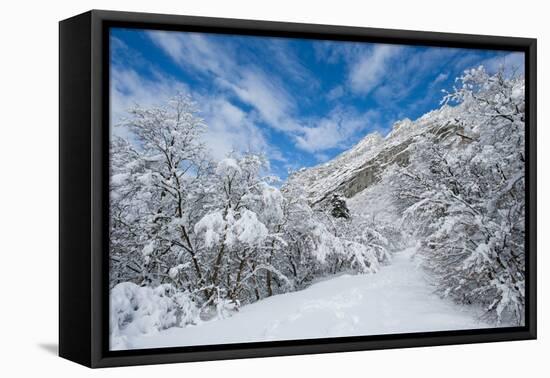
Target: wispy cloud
[[194, 51], [129, 88], [370, 70], [335, 93], [263, 91], [295, 100], [288, 62], [249, 83], [335, 130], [231, 129], [440, 78], [272, 102]]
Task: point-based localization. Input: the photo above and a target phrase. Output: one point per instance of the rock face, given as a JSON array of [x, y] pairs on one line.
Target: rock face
[[339, 207], [361, 166]]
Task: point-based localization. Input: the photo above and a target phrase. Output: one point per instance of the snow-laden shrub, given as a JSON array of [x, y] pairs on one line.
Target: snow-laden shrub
[[363, 258], [249, 230], [136, 310], [225, 307], [212, 225]]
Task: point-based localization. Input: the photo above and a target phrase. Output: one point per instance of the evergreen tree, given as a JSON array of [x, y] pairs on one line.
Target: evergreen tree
[[339, 207]]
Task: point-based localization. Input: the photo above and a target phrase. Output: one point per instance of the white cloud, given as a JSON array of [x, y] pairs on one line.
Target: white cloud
[[237, 79], [230, 129], [335, 93], [409, 69], [336, 130], [286, 60], [128, 88], [272, 104], [194, 51], [369, 70], [327, 134], [271, 101], [440, 78], [250, 84], [334, 52]]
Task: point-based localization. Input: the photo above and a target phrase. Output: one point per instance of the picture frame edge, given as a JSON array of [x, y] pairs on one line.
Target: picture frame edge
[[82, 256]]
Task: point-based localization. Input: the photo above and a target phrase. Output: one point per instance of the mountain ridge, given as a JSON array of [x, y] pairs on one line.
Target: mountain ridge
[[360, 167]]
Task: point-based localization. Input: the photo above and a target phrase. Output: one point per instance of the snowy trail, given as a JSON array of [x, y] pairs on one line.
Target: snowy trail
[[397, 299]]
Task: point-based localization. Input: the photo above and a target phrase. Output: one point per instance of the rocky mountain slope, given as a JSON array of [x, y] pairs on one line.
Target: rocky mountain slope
[[360, 167]]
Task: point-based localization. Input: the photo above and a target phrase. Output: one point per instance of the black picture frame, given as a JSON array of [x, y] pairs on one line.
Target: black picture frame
[[84, 177]]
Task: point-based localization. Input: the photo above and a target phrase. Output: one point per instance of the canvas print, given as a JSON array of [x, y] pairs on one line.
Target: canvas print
[[268, 189]]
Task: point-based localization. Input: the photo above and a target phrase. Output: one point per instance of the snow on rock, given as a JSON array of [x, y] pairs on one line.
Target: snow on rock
[[358, 168], [400, 126], [148, 249], [398, 299]]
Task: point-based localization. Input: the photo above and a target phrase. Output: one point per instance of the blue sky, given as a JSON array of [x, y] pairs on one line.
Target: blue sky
[[301, 102]]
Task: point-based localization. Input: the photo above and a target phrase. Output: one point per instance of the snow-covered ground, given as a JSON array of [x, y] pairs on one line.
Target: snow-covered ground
[[397, 299]]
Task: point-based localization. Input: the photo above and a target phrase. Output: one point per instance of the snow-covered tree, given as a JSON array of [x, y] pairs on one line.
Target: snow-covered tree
[[463, 195], [157, 193], [239, 231]]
